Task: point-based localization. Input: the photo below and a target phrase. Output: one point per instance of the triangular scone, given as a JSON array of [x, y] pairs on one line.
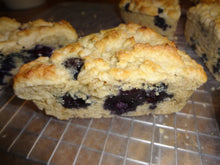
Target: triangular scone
[[129, 70], [24, 42]]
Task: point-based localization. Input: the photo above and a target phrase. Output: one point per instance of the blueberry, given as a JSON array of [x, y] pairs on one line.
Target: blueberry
[[152, 106], [218, 51], [160, 10], [41, 50], [75, 65], [204, 57], [160, 22], [216, 68], [127, 7], [125, 101], [14, 60], [122, 105], [8, 63], [193, 43], [128, 100], [70, 102]]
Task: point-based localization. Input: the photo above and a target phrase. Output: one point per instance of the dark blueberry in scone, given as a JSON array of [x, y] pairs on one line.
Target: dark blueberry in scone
[[204, 57], [73, 102], [216, 68], [41, 50], [74, 65], [160, 10], [7, 63], [218, 51], [128, 100], [193, 43], [160, 22], [153, 106], [127, 7], [125, 101], [14, 60], [153, 97]]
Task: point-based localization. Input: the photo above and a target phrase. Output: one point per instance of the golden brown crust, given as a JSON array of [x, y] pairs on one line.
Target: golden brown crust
[[15, 36], [128, 56], [39, 70]]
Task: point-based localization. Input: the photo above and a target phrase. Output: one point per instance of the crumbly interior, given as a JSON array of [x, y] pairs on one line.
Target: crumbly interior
[[103, 73], [202, 32], [53, 106], [162, 16]]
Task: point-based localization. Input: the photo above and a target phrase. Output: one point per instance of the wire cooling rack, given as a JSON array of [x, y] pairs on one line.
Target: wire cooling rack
[[188, 137]]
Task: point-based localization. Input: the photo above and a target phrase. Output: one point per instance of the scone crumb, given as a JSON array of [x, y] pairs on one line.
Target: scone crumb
[[166, 137], [161, 130], [204, 105]]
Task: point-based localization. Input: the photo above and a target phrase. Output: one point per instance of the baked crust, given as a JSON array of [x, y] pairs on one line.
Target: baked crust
[[16, 36], [125, 58]]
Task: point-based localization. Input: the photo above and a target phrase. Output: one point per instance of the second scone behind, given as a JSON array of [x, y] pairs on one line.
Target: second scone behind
[[160, 15], [202, 33], [128, 70]]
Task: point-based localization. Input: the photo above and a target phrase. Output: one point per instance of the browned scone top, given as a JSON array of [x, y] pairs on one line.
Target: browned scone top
[[127, 52], [16, 36]]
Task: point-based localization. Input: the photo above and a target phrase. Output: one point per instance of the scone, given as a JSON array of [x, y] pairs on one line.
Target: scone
[[204, 1], [202, 32], [160, 15], [24, 42], [129, 70]]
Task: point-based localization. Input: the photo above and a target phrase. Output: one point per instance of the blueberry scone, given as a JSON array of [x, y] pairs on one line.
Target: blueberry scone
[[129, 70], [202, 32], [24, 42], [160, 15], [204, 1]]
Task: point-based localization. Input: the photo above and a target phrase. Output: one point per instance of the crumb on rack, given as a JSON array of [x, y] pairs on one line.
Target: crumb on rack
[[204, 105], [161, 130]]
